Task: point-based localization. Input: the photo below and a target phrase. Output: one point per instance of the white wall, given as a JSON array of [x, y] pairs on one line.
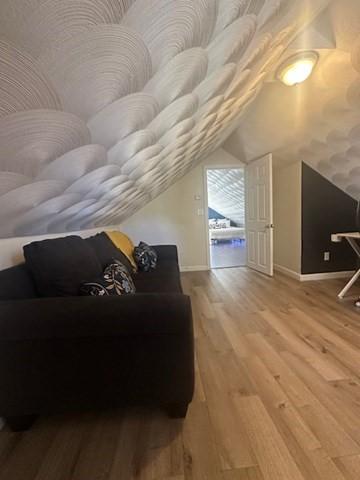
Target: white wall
[[173, 217], [11, 249], [287, 217]]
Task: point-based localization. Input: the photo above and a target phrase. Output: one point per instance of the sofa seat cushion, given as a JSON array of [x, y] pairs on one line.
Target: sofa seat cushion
[[164, 279], [157, 285], [165, 267], [60, 265], [106, 251]]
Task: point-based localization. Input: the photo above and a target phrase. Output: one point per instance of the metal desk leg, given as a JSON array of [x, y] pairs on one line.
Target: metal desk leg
[[349, 285], [355, 246]]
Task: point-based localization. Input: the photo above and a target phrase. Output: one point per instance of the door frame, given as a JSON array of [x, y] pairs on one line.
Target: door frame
[[230, 166]]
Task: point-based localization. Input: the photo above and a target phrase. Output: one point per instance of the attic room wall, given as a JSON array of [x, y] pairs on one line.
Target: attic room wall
[[170, 218], [287, 217], [317, 121], [11, 249], [173, 216], [325, 210]]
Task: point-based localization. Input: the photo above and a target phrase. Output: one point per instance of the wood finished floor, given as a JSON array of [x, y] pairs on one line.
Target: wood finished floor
[[277, 397]]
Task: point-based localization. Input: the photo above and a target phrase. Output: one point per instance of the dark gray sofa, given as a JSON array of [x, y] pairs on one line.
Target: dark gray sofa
[[76, 353]]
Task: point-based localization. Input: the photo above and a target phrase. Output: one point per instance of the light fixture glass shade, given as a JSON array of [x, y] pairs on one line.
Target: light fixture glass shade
[[297, 68]]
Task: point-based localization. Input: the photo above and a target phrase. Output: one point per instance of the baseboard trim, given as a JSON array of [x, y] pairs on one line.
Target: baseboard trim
[[288, 272], [313, 277], [194, 268]]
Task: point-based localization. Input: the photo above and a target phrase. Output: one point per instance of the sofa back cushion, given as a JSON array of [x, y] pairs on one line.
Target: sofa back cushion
[[106, 251], [16, 283], [60, 265]]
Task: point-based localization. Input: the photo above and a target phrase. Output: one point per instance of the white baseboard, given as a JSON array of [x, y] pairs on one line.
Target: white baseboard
[[194, 268], [288, 272], [313, 277]]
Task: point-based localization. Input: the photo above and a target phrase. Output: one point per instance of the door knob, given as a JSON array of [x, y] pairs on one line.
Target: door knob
[[271, 225]]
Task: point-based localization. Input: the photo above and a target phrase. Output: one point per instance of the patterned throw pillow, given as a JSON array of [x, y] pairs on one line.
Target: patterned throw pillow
[[116, 280], [145, 257]]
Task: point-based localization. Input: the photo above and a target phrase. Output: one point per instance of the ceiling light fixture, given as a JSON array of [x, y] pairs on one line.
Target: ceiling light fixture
[[297, 68]]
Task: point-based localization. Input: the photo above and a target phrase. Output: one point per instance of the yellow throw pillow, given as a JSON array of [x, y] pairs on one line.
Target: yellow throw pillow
[[123, 243]]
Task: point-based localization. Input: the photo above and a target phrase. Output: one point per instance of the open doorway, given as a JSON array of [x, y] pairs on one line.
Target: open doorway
[[226, 216]]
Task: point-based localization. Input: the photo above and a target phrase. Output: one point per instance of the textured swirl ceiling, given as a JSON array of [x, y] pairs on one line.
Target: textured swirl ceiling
[[317, 122], [226, 193], [105, 103]]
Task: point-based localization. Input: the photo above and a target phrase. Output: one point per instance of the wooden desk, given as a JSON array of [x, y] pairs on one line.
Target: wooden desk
[[352, 238]]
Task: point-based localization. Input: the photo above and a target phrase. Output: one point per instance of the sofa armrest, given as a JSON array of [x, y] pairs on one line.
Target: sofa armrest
[[72, 317], [166, 252]]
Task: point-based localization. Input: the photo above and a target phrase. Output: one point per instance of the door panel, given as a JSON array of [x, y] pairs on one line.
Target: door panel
[[251, 252], [259, 215]]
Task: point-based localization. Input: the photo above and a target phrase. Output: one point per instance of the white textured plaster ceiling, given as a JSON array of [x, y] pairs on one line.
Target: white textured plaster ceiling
[[104, 104], [317, 122], [226, 193]]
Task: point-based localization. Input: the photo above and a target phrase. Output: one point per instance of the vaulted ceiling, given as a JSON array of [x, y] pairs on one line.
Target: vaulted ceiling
[[106, 103], [226, 193], [317, 122]]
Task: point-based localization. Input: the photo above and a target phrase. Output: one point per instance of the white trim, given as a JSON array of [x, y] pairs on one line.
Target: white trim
[[325, 276], [287, 271], [194, 268], [206, 219], [230, 166], [312, 277]]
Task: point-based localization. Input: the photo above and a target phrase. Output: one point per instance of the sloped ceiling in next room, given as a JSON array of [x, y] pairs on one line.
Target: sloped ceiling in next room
[[105, 103], [317, 122], [226, 193]]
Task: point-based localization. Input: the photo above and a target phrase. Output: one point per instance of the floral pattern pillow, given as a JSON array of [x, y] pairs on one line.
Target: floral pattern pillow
[[115, 280], [145, 257]]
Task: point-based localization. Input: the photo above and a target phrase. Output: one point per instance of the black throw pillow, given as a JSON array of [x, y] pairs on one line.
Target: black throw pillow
[[115, 280], [106, 250], [145, 257], [60, 265]]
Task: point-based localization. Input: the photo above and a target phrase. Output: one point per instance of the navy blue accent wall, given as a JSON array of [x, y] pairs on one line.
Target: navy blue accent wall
[[213, 214], [325, 210]]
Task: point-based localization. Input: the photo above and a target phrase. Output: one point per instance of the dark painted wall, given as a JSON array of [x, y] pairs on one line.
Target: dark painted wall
[[214, 214], [325, 210]]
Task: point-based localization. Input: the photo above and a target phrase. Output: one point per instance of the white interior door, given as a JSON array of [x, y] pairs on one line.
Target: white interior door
[[259, 215]]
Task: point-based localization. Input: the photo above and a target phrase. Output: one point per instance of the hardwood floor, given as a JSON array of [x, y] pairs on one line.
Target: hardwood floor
[[277, 397]]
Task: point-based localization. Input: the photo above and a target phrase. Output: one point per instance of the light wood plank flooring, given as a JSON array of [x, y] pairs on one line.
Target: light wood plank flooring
[[277, 397]]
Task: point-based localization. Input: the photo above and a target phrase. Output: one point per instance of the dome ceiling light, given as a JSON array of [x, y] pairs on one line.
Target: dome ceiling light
[[297, 68]]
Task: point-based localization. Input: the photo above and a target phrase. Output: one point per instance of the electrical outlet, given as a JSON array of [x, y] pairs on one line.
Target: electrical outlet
[[327, 256]]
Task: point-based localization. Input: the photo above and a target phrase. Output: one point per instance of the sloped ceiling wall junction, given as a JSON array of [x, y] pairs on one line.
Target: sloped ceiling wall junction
[[317, 122], [105, 103]]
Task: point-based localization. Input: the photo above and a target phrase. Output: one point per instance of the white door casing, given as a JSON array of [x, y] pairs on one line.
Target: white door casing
[[259, 215]]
